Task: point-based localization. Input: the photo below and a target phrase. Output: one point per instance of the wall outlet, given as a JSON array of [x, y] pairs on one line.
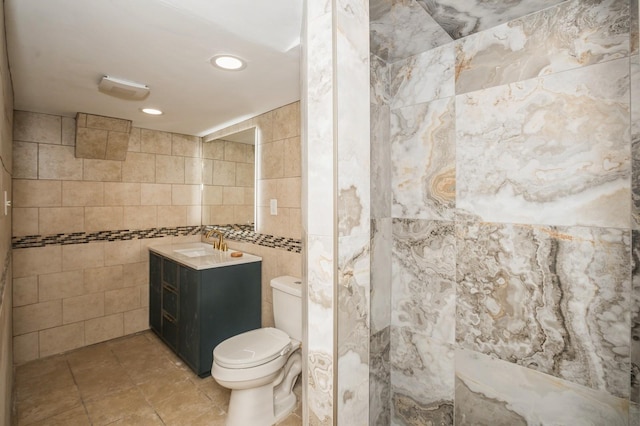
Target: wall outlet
[[273, 206]]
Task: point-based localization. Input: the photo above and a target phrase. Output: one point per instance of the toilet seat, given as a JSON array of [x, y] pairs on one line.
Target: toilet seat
[[252, 348]]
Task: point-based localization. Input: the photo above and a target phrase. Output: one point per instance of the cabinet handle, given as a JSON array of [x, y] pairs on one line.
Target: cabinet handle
[[169, 289], [169, 317]]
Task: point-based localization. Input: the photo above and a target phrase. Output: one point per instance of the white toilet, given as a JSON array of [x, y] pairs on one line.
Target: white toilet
[[261, 366]]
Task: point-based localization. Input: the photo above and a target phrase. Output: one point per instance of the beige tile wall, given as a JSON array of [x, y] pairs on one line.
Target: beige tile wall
[[6, 172], [75, 295], [71, 296], [57, 193]]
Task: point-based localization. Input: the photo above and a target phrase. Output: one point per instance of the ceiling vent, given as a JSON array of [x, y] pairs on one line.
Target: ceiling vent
[[123, 89]]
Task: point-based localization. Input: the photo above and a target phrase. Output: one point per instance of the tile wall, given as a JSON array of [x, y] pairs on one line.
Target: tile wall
[[336, 208], [503, 167], [69, 295], [6, 171]]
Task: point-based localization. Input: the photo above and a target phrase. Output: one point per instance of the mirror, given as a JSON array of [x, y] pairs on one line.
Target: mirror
[[228, 191]]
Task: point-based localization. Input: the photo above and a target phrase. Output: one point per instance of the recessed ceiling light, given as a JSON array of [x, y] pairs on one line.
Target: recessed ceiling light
[[151, 111], [228, 62]]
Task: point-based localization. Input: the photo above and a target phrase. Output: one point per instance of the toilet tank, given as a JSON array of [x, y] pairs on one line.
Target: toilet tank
[[287, 305]]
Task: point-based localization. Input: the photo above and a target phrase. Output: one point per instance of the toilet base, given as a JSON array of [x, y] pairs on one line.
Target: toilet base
[[265, 405], [251, 407]]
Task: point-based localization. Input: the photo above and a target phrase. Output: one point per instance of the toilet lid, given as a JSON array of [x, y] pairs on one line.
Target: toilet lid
[[252, 348]]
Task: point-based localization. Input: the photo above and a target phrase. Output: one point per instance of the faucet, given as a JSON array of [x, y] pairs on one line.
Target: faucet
[[220, 244]]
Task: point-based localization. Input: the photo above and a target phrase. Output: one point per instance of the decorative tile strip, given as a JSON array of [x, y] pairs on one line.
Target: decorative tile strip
[[241, 233], [84, 237], [245, 234]]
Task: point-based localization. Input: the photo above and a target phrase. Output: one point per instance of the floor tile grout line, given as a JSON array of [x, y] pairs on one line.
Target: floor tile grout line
[[75, 382]]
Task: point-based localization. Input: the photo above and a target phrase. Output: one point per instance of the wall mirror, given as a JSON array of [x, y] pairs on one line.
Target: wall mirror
[[229, 180]]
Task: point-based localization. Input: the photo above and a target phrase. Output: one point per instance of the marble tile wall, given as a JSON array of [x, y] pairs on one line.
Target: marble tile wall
[[6, 269], [514, 293], [318, 210], [336, 205], [353, 210], [634, 409]]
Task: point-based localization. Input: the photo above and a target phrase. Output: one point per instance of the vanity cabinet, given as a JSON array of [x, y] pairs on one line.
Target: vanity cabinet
[[194, 310]]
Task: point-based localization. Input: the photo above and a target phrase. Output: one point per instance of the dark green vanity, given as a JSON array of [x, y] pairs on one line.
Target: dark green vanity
[[198, 299]]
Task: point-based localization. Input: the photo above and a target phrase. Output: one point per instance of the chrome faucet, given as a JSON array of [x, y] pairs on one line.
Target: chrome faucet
[[220, 244]]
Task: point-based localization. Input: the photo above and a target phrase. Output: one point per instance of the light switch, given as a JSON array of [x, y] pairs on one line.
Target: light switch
[[273, 205]]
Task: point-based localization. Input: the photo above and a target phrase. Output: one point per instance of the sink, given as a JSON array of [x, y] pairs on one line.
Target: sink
[[194, 252]]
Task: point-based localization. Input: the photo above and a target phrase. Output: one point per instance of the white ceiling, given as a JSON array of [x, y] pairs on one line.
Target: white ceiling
[[60, 49]]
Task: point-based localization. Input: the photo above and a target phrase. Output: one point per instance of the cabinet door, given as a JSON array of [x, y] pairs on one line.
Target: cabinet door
[[189, 324], [231, 304], [155, 295]]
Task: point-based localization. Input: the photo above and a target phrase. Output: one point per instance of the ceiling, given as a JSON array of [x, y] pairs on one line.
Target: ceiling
[[60, 49]]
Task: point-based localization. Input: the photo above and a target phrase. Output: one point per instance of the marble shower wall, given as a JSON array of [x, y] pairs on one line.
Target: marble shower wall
[[336, 211], [512, 142]]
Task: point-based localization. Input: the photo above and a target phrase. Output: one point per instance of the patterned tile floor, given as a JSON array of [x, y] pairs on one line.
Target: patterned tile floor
[[134, 380]]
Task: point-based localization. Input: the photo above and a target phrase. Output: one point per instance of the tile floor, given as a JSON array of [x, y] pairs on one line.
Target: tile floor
[[134, 380]]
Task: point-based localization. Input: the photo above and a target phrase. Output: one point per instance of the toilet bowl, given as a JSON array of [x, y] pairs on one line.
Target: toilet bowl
[[261, 366]]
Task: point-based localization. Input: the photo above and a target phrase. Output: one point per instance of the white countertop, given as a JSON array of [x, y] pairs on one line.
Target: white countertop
[[201, 255]]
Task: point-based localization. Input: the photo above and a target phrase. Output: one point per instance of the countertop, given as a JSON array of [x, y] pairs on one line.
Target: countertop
[[201, 256]]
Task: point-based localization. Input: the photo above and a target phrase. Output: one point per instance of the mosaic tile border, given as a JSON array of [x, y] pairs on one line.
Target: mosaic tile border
[[241, 233], [245, 234]]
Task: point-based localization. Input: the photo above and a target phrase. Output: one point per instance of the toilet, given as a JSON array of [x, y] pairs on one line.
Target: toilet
[[261, 366]]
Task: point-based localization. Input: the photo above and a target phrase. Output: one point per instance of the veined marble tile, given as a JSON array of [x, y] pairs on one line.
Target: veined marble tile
[[353, 389], [353, 296], [634, 414], [402, 28], [423, 296], [423, 77], [459, 18], [423, 158], [380, 162], [319, 155], [635, 318], [551, 150], [379, 81], [634, 31], [381, 243], [553, 299], [422, 379], [635, 140], [497, 393], [571, 35], [353, 171], [320, 344], [380, 378]]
